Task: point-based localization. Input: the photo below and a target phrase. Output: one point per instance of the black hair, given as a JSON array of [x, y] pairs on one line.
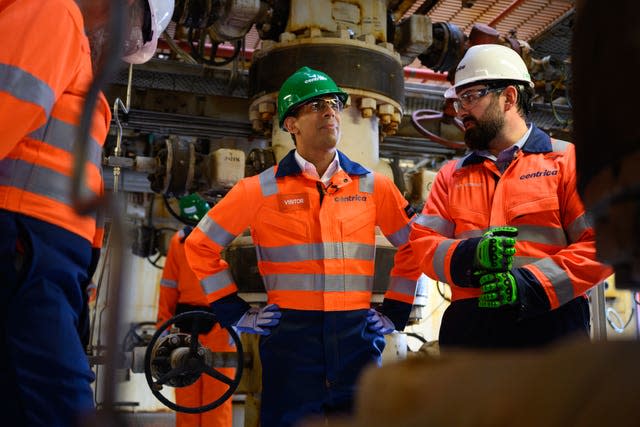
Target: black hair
[[524, 90]]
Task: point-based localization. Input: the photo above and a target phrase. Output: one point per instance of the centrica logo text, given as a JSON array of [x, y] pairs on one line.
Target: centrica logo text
[[356, 198], [315, 78], [538, 174]]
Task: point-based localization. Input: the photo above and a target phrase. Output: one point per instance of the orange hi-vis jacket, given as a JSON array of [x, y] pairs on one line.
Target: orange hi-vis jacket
[[42, 93], [179, 287], [537, 194], [315, 245], [178, 283]]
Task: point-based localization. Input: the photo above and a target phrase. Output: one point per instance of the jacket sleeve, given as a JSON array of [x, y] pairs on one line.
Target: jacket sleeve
[[169, 292], [573, 270], [394, 217], [226, 220], [439, 255], [35, 71]]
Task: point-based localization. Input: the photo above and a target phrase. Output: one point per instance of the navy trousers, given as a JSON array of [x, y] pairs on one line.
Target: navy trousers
[[466, 325], [44, 372], [311, 362]]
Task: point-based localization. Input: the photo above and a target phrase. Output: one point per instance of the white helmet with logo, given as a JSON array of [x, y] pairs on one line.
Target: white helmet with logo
[[489, 62], [142, 42]]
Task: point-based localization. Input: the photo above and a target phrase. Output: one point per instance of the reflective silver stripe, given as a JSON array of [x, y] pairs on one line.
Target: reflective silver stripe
[[438, 224], [471, 233], [519, 261], [577, 227], [168, 283], [403, 286], [268, 183], [317, 282], [530, 233], [559, 146], [216, 282], [214, 231], [366, 183], [316, 251], [438, 259], [26, 87], [37, 179], [558, 278], [62, 135], [541, 234], [401, 236]]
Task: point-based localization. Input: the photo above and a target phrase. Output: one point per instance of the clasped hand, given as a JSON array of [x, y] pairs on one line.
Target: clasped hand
[[497, 289], [496, 249], [493, 261]]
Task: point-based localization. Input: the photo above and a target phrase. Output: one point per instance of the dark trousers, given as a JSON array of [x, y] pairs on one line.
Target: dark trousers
[[311, 362], [465, 325], [43, 365]]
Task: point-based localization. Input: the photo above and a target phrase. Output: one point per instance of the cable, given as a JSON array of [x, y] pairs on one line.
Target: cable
[[612, 313], [441, 292]]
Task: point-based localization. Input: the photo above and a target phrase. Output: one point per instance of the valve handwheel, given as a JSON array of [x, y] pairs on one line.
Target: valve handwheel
[[435, 115], [179, 360]]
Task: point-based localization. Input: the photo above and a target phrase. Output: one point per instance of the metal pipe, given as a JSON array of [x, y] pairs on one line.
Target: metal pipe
[[505, 13], [225, 51], [598, 319]]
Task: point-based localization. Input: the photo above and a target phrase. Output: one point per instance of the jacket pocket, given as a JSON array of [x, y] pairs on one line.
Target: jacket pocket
[[360, 228], [286, 226], [542, 210]]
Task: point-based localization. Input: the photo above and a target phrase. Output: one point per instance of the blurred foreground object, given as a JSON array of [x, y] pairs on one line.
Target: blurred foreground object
[[607, 143], [508, 388]]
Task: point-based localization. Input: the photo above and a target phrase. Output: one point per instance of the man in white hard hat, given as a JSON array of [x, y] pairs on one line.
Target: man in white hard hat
[[504, 225]]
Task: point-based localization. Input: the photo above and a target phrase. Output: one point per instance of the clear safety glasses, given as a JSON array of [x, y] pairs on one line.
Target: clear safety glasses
[[468, 99], [320, 104]]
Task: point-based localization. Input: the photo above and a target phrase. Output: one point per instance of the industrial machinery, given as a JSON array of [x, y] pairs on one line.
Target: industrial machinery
[[200, 116]]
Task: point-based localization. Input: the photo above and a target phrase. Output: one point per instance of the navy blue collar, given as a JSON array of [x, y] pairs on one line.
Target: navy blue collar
[[289, 166], [538, 142]]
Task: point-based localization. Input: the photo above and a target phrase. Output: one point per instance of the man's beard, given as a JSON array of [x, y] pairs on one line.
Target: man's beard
[[486, 128]]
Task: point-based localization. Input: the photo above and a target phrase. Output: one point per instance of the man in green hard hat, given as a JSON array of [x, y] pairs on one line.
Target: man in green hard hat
[[313, 219]]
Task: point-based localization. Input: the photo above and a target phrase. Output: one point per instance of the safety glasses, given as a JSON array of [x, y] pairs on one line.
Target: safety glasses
[[468, 99], [320, 104]]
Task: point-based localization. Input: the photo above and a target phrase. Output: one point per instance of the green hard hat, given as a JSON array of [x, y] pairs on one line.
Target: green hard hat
[[303, 85], [193, 207]]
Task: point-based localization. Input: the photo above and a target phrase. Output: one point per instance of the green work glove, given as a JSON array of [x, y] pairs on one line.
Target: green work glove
[[498, 289], [495, 249]]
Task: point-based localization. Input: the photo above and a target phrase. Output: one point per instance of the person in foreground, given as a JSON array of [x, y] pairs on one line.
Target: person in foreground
[[48, 251], [313, 220], [504, 225]]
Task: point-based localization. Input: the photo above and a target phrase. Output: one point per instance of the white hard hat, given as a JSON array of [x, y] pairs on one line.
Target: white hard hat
[[489, 62], [138, 50]]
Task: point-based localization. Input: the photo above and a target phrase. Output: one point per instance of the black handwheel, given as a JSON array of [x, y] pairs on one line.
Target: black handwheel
[[179, 360], [431, 115]]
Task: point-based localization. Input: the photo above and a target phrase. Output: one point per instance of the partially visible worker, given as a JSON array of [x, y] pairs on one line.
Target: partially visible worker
[[313, 220], [504, 225], [47, 250], [180, 292]]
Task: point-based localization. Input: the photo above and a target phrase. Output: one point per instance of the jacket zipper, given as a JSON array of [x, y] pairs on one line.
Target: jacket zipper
[[321, 191]]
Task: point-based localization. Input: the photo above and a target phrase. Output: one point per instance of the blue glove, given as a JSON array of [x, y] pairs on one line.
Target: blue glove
[[379, 323], [497, 289], [259, 320]]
